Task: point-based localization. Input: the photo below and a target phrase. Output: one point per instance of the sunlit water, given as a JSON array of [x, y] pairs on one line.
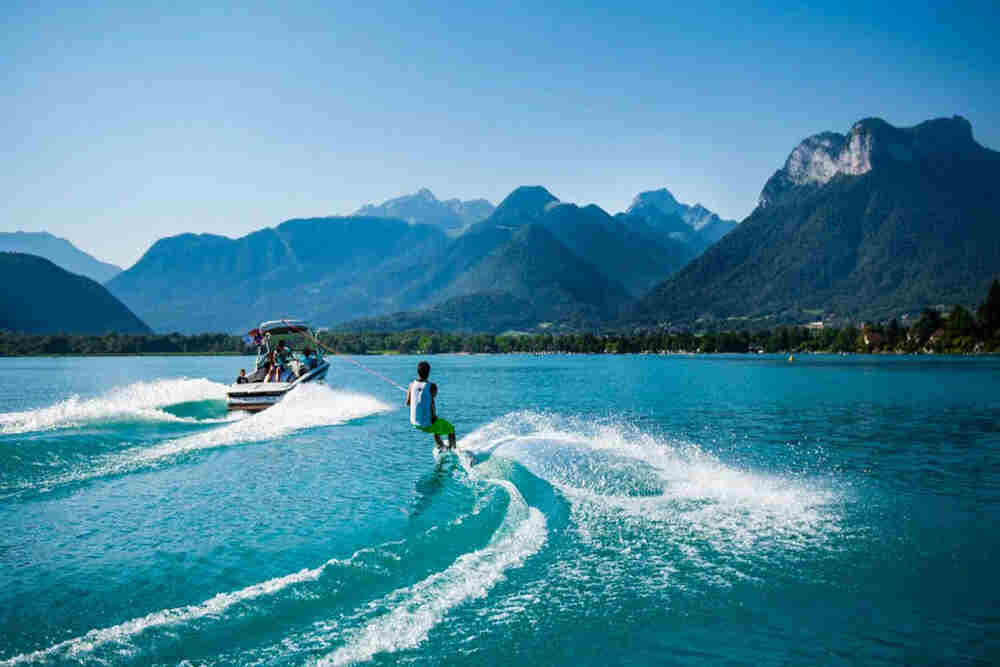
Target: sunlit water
[[603, 510]]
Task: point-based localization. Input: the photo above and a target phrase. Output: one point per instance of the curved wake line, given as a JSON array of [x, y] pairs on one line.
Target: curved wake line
[[615, 476], [140, 400], [416, 609], [307, 406], [121, 633]]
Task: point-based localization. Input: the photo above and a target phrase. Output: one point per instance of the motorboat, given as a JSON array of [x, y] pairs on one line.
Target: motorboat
[[256, 393]]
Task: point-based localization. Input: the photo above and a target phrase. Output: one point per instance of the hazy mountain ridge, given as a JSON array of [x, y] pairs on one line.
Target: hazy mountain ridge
[[513, 253], [45, 298], [536, 267], [574, 266], [539, 263], [423, 208], [327, 268], [486, 311], [60, 252], [695, 225], [873, 224]]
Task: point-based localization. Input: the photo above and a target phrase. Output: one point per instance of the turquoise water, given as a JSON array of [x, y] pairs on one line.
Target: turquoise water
[[605, 510]]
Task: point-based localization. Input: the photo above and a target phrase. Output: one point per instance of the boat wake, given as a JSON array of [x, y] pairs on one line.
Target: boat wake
[[414, 610], [308, 406], [645, 515], [121, 635], [140, 401], [410, 611]]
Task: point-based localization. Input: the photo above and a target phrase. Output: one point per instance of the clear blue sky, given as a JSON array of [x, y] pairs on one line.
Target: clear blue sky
[[124, 125]]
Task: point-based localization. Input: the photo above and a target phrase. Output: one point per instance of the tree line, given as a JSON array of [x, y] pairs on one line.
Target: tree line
[[956, 332]]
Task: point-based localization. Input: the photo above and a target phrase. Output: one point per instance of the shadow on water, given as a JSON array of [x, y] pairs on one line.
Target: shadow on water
[[432, 485]]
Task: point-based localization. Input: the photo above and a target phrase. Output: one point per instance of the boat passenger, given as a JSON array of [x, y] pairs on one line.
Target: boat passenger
[[272, 367], [309, 359], [242, 379], [279, 370]]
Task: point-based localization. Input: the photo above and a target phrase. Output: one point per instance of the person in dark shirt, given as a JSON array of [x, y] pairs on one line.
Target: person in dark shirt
[[242, 379]]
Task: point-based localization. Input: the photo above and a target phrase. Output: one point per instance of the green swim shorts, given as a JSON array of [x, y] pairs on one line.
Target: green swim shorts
[[439, 427]]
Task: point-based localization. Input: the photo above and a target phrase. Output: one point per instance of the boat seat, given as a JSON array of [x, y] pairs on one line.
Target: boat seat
[[258, 375]]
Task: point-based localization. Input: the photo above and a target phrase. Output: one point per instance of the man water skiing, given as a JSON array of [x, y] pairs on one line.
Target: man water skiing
[[423, 413]]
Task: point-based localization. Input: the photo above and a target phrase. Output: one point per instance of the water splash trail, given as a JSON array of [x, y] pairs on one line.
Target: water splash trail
[[645, 511], [140, 401], [306, 407], [123, 633], [722, 520], [415, 610]]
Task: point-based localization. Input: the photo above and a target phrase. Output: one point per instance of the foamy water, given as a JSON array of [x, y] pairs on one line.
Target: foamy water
[[308, 406], [618, 478], [618, 481], [568, 533], [415, 610], [138, 401], [124, 634]]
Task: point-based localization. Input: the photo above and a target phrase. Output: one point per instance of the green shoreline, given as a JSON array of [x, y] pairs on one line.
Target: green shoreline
[[956, 332], [995, 353]]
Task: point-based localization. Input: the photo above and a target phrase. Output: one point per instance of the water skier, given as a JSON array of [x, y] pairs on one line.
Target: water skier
[[423, 412]]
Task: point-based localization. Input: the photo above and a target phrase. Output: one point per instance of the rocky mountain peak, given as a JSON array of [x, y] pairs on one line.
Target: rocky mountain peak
[[694, 225], [661, 199], [422, 207], [871, 142]]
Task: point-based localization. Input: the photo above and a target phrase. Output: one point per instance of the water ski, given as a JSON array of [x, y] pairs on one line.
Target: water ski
[[444, 454]]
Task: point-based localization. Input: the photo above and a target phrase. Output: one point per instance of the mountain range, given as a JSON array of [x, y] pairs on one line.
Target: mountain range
[[873, 224], [59, 251], [575, 266], [41, 297], [423, 208], [325, 269]]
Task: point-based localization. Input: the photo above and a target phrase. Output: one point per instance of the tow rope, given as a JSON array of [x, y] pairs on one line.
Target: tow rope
[[353, 361]]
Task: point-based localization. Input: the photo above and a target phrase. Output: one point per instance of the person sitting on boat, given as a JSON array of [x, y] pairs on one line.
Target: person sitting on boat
[[270, 365], [309, 359], [423, 411], [279, 363], [242, 379], [282, 359]]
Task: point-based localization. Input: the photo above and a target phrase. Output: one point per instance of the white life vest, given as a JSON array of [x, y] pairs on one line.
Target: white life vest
[[420, 403]]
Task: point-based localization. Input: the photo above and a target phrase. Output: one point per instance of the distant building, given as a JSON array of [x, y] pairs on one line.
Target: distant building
[[873, 339]]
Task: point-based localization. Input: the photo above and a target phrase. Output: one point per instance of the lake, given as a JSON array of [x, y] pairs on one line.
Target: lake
[[603, 510]]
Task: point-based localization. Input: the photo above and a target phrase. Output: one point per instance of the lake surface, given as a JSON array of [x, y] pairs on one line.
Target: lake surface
[[641, 510]]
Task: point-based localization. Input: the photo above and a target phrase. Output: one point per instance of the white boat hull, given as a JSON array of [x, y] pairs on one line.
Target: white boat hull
[[257, 396]]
